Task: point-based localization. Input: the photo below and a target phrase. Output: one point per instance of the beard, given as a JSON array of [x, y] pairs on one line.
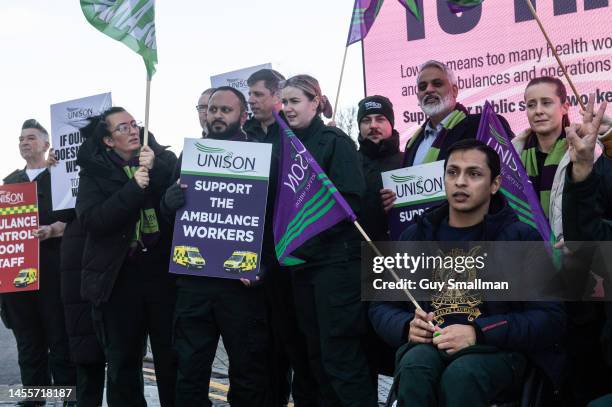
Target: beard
[[231, 130], [445, 104]]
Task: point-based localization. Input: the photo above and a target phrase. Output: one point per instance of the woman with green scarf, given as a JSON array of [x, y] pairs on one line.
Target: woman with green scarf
[[544, 152], [126, 254], [543, 147]]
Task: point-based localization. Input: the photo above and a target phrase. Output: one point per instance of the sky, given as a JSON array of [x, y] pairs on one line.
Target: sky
[[51, 54]]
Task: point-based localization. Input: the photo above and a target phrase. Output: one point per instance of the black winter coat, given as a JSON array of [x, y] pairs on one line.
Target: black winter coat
[[587, 216], [272, 136], [337, 155], [108, 206], [84, 346], [375, 159]]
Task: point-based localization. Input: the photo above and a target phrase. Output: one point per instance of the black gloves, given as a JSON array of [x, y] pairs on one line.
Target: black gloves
[[173, 199]]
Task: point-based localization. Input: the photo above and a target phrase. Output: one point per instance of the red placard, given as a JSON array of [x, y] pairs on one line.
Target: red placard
[[18, 246]]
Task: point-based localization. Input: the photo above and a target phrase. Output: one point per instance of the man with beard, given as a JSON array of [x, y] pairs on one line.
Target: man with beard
[[448, 121], [379, 152], [207, 308], [202, 108]]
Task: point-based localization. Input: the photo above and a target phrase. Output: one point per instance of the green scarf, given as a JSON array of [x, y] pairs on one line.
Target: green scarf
[[456, 117], [146, 232], [542, 183]]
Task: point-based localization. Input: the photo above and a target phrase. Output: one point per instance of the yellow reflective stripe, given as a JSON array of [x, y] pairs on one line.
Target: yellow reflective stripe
[[18, 210]]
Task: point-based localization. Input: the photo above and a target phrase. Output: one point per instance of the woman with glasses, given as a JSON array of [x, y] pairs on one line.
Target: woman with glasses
[[327, 286], [126, 254]]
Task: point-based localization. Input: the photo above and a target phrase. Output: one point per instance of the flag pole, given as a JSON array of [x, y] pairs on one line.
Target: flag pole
[[391, 270], [339, 83], [147, 104], [554, 51]]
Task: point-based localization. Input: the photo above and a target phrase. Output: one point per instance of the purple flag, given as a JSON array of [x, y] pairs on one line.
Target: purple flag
[[516, 186], [364, 14], [459, 6], [307, 202]]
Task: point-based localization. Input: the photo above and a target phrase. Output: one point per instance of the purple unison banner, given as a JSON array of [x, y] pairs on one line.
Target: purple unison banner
[[307, 202], [516, 186], [417, 188], [219, 231]]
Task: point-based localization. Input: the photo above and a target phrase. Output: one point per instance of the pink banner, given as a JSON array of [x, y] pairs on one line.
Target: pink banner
[[494, 50]]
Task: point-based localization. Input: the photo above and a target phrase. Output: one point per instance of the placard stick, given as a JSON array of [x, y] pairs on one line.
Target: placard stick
[[339, 84], [147, 104], [390, 269], [554, 51]]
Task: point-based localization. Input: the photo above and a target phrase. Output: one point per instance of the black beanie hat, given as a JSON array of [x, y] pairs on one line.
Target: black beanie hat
[[376, 105]]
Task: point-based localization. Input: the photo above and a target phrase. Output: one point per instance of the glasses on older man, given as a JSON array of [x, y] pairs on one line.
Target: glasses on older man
[[124, 128], [201, 108]]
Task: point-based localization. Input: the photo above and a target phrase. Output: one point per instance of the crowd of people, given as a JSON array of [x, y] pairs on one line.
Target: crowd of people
[[302, 331]]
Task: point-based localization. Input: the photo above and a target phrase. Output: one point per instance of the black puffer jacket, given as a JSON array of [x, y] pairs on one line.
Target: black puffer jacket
[[108, 206], [375, 159]]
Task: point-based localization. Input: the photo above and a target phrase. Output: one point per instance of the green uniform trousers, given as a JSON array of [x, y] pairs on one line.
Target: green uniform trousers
[[332, 317], [474, 376]]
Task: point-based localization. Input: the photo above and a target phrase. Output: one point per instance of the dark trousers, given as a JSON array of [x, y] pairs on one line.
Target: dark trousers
[[333, 319], [37, 321], [90, 384], [475, 376], [228, 309], [589, 376], [137, 307], [288, 345]]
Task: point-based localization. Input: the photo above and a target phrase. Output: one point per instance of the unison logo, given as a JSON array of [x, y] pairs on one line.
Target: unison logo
[[11, 198], [299, 172], [78, 113], [498, 143], [213, 157], [417, 185], [236, 83]]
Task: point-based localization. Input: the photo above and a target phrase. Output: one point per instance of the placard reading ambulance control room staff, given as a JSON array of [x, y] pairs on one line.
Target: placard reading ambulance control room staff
[[219, 231], [417, 188], [66, 120], [18, 246]]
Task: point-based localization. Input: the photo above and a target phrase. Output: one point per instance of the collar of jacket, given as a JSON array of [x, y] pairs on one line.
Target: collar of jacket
[[254, 129], [385, 148], [315, 125], [500, 216], [18, 176]]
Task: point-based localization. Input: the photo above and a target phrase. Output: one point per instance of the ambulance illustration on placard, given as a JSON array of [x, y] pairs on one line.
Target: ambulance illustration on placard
[[188, 256], [241, 262], [25, 278]]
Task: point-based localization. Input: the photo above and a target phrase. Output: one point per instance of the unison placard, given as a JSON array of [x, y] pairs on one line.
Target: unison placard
[[219, 231], [66, 120]]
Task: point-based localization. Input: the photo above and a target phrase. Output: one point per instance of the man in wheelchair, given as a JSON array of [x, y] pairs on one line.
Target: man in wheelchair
[[470, 361]]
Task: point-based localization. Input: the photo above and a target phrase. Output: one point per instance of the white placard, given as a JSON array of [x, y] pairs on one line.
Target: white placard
[[66, 120]]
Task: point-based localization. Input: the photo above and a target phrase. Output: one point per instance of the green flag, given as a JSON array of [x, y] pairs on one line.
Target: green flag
[[131, 22]]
